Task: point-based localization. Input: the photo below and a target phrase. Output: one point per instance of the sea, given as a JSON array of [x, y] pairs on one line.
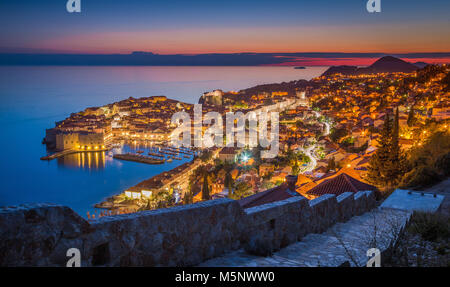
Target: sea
[[33, 98]]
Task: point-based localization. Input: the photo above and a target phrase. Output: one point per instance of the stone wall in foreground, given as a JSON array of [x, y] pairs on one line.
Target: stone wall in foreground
[[40, 235]]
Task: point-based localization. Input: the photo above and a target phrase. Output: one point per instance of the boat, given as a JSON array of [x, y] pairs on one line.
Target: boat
[[299, 68], [140, 151], [169, 160]]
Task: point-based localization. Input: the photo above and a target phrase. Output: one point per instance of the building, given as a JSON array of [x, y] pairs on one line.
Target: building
[[214, 98], [441, 112], [228, 154], [80, 141], [302, 99], [266, 168], [281, 192], [338, 185]]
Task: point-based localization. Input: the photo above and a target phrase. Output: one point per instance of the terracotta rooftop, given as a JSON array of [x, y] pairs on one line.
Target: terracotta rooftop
[[278, 193], [340, 184], [228, 150]]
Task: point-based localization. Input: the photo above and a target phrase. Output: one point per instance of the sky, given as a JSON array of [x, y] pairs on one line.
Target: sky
[[232, 26]]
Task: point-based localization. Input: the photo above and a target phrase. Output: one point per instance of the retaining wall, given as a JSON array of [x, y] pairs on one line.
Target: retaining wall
[[41, 234]]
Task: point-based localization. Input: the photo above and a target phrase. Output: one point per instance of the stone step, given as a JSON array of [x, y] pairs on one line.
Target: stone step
[[343, 242]]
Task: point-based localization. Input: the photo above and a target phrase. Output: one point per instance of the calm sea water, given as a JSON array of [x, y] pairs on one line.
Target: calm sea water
[[33, 98]]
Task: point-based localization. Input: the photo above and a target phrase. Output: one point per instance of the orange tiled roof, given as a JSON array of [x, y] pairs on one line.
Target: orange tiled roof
[[340, 184]]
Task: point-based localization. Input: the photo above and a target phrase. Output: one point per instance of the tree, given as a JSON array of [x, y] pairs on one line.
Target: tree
[[206, 156], [188, 196], [397, 159], [257, 156], [228, 182], [205, 188], [337, 134], [295, 168], [242, 189], [387, 165], [331, 164], [411, 117], [378, 171]]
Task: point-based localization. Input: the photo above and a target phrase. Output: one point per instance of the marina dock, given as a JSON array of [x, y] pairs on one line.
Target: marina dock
[[138, 158], [67, 152]]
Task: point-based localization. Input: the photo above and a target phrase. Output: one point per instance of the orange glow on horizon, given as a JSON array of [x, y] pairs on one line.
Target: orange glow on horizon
[[346, 39]]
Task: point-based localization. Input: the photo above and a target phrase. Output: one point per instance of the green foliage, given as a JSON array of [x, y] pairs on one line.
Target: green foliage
[[241, 105], [267, 185], [295, 168], [229, 182], [353, 149], [430, 226], [337, 134], [256, 154], [429, 163], [348, 141], [188, 197], [388, 165], [397, 159], [421, 176], [241, 190], [377, 173], [446, 82], [205, 188], [206, 156], [411, 117], [278, 182], [158, 200], [443, 164]]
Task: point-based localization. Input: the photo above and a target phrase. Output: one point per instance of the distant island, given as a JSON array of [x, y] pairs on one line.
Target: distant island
[[8, 58], [387, 64]]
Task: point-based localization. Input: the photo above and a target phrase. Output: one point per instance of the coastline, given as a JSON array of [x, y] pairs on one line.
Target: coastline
[[96, 176]]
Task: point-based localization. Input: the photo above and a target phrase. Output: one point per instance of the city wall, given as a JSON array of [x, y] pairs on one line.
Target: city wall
[[41, 234]]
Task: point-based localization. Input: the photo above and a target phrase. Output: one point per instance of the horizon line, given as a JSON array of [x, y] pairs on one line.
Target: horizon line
[[37, 52]]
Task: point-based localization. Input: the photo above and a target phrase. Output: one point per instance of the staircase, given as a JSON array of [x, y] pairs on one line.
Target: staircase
[[344, 243]]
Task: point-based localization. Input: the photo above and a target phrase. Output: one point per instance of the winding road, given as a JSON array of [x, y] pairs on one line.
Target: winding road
[[310, 150]]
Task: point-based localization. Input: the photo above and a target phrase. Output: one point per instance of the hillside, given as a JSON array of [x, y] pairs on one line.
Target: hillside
[[387, 64]]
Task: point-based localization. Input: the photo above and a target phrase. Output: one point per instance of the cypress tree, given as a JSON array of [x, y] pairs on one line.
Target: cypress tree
[[397, 160], [295, 168], [378, 169], [205, 189], [188, 196], [228, 182], [331, 164], [411, 117]]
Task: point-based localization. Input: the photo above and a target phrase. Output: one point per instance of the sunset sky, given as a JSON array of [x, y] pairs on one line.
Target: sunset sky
[[193, 26]]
